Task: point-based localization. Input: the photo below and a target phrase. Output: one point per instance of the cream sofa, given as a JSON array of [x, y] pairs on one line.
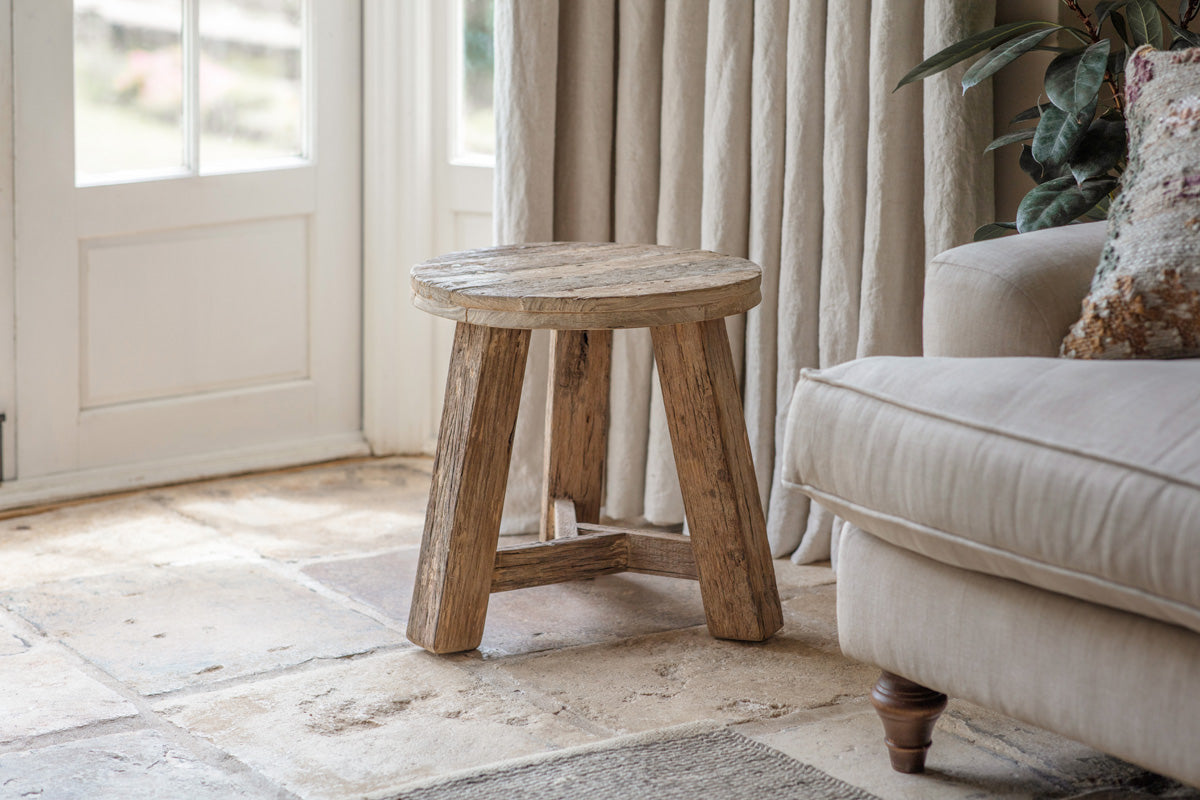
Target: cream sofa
[[1022, 531]]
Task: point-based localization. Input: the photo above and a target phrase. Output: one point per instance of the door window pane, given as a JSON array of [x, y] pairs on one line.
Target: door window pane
[[473, 124], [128, 88], [251, 68]]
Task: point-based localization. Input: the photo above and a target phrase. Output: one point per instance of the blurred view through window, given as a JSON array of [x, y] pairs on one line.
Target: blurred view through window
[[184, 86], [474, 127]]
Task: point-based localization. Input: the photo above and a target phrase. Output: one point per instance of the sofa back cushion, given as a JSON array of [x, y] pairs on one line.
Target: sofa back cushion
[[1145, 297]]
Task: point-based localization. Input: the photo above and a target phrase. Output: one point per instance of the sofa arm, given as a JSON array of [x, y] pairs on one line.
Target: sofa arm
[[1014, 296]]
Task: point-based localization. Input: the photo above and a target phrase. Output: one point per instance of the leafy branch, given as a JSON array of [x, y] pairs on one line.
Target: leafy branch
[[1093, 32], [1076, 150]]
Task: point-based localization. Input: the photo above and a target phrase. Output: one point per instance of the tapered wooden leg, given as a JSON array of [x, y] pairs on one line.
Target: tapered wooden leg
[[470, 472], [576, 425], [716, 474], [909, 712]]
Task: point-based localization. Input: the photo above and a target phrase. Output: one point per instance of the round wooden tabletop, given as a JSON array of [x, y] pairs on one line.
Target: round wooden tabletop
[[580, 285]]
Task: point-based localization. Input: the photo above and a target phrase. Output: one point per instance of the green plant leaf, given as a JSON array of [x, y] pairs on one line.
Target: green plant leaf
[[1081, 35], [1010, 138], [984, 40], [1099, 211], [1188, 38], [1120, 27], [1002, 56], [1033, 112], [1107, 7], [1100, 149], [994, 230], [1145, 23], [1039, 172], [1058, 134], [1116, 62], [1059, 201], [1073, 79]]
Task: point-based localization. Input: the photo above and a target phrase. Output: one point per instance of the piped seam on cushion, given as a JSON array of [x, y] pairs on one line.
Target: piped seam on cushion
[[816, 377], [1107, 584]]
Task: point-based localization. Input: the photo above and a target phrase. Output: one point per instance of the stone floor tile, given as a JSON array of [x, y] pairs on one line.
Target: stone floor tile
[[540, 618], [794, 579], [162, 629], [999, 758], [11, 644], [847, 743], [106, 536], [319, 512], [347, 532], [130, 766], [43, 689], [363, 726], [1073, 764], [812, 612], [681, 676]]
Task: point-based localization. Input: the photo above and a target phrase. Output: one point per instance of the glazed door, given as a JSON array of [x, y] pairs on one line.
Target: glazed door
[[188, 227]]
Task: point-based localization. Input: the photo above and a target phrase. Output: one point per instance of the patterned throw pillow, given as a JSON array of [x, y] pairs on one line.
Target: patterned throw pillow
[[1145, 297]]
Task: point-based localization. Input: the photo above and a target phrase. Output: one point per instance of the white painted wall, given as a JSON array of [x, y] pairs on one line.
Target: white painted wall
[[417, 204]]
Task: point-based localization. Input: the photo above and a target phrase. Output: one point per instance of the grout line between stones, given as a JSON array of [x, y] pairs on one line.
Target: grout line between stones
[[150, 720], [308, 665], [296, 575]]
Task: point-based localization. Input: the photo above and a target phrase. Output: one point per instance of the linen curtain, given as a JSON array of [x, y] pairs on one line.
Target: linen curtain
[[764, 129]]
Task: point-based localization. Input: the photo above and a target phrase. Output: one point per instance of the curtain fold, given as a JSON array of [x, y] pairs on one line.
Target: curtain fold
[[636, 164], [767, 130]]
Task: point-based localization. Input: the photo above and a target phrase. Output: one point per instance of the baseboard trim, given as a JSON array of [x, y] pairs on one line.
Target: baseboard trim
[[86, 483]]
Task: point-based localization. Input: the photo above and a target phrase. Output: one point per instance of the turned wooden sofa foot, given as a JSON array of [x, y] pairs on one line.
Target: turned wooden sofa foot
[[909, 712]]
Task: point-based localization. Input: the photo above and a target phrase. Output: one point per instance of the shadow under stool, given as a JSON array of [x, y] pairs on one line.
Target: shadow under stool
[[582, 292]]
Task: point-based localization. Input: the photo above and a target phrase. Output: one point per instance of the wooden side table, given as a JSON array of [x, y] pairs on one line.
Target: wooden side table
[[582, 292]]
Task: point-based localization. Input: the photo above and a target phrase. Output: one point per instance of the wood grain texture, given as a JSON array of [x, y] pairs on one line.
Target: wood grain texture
[[579, 285], [576, 424], [587, 320], [716, 474], [558, 561], [908, 711], [669, 554], [653, 552], [596, 550], [470, 471]]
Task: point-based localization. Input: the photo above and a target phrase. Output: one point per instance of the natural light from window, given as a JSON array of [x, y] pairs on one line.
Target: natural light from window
[[177, 87], [473, 123]]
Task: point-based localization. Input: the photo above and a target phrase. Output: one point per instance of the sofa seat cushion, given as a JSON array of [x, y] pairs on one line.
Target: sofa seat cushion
[[1078, 477]]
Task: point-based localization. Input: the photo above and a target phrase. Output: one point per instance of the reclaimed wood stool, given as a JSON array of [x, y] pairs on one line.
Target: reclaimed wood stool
[[582, 292]]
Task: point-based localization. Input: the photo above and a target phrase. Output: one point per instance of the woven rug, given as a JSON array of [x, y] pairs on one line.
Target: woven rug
[[681, 765]]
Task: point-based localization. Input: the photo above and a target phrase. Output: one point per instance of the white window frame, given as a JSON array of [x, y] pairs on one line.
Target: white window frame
[[410, 189], [398, 406]]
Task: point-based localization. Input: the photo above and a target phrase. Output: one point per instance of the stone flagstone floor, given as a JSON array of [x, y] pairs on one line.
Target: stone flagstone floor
[[244, 638]]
